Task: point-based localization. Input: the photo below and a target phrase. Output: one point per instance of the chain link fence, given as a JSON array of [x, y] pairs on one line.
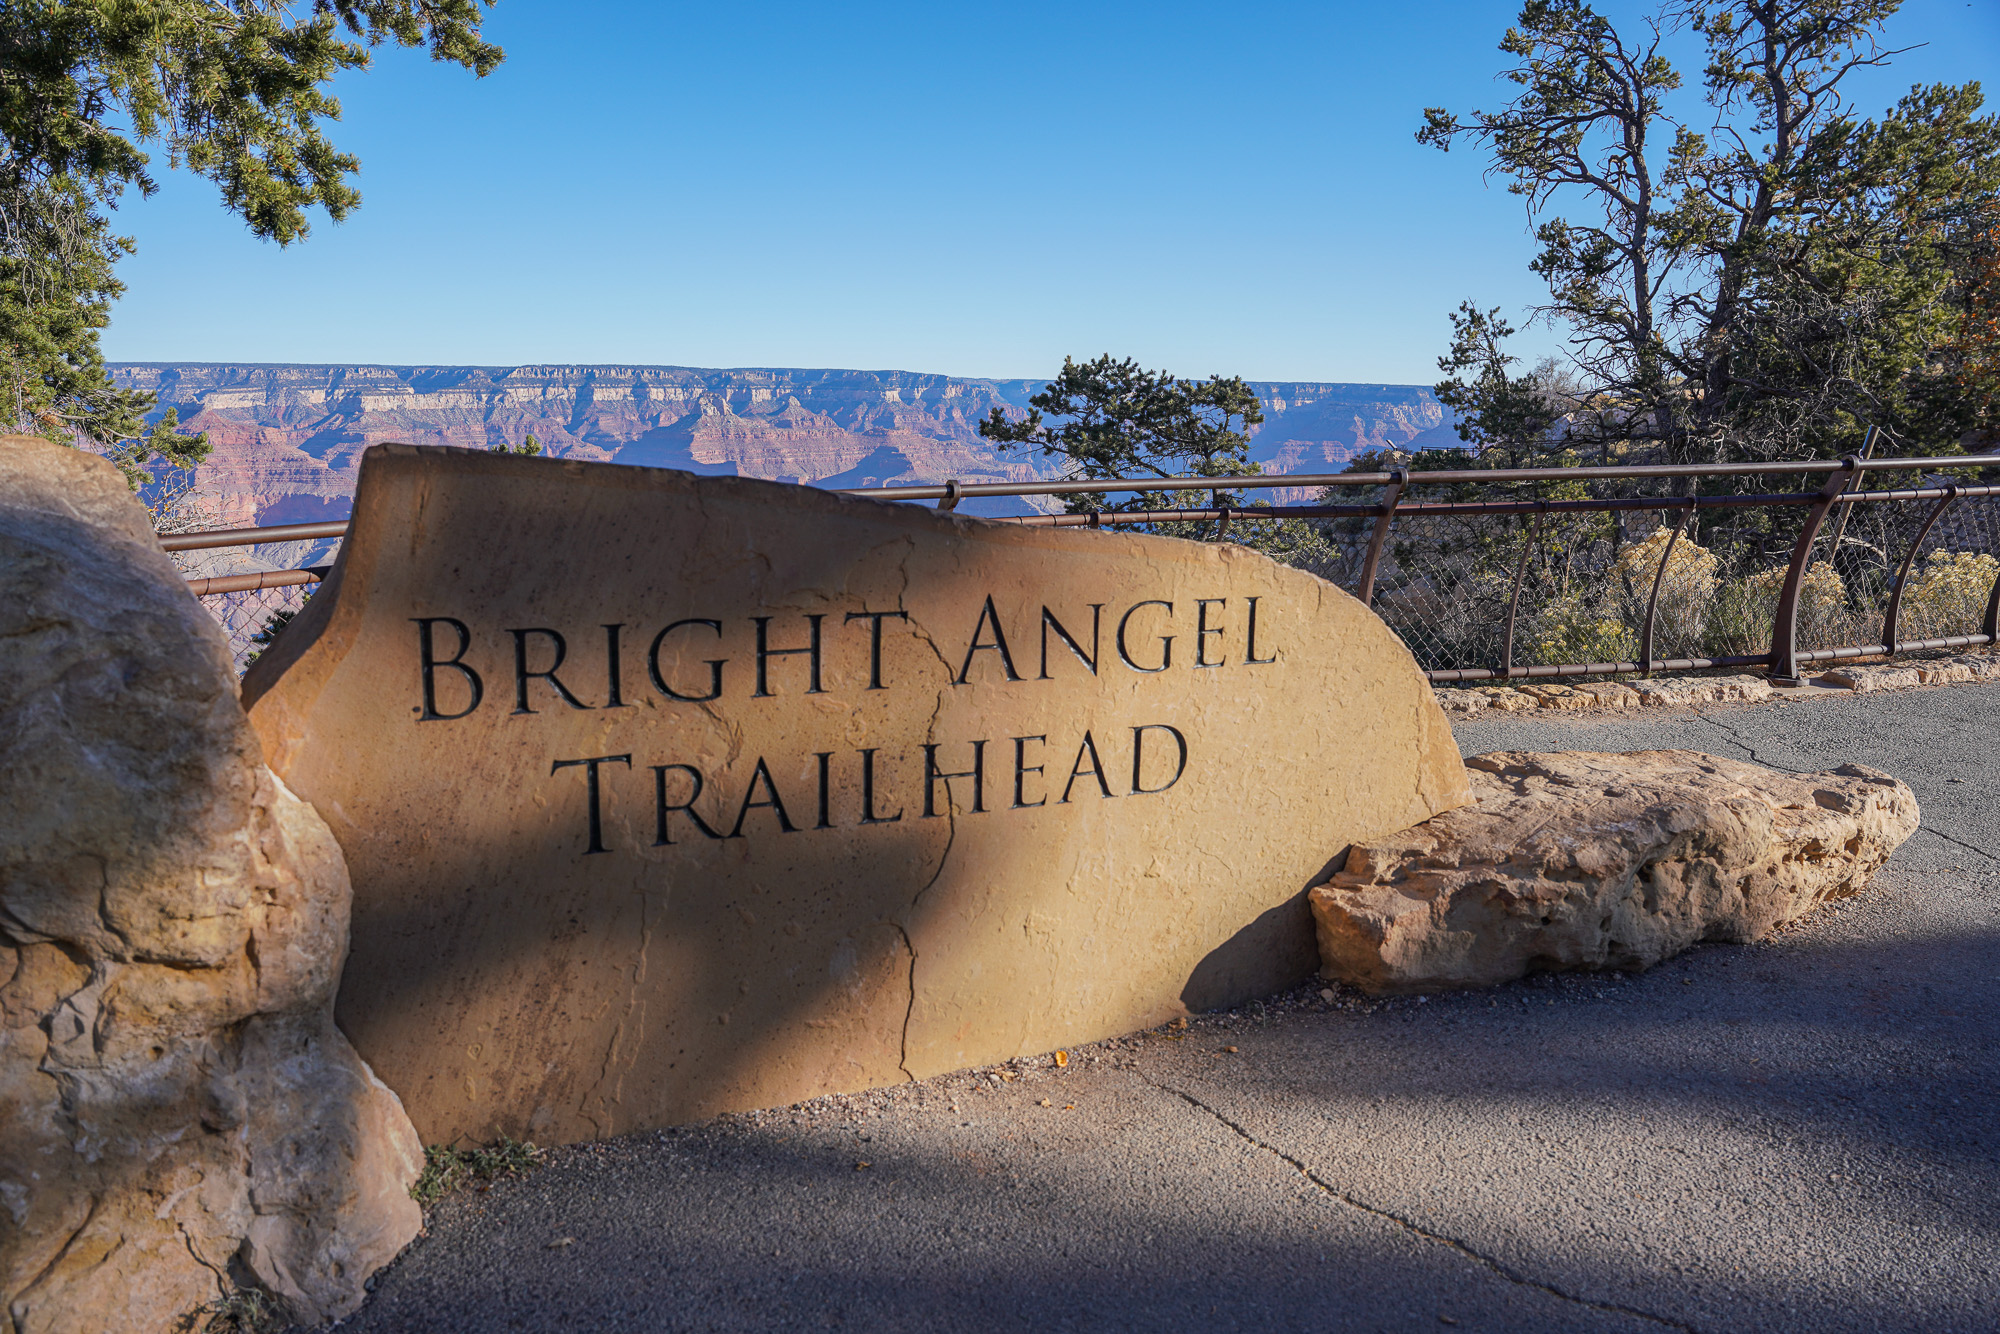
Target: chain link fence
[[1547, 570], [1576, 588], [250, 616]]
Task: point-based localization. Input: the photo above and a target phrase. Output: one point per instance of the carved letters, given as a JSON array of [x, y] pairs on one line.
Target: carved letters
[[455, 663], [668, 795]]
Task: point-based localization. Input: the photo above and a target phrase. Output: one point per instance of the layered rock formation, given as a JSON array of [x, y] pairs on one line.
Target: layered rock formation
[[289, 438], [1580, 860], [1320, 427], [177, 1110]]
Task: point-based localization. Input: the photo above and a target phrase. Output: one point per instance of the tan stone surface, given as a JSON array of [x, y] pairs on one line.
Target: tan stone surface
[[1863, 680], [1663, 692], [175, 1102], [1560, 697], [1977, 666], [1610, 694], [1688, 691], [1692, 691], [504, 978], [1953, 671], [1584, 860], [1910, 674]]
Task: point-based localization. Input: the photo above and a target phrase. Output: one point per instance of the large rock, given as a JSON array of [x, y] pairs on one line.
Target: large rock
[[1581, 860], [177, 1109], [670, 795]]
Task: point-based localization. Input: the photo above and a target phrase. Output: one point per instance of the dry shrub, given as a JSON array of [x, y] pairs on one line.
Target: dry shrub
[[1947, 595], [1739, 618], [1687, 590]]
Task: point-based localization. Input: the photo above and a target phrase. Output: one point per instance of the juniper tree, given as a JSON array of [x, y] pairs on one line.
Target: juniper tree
[[1766, 285], [1117, 419]]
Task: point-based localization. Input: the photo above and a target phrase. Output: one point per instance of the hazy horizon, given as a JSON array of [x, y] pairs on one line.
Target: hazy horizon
[[682, 366], [775, 184]]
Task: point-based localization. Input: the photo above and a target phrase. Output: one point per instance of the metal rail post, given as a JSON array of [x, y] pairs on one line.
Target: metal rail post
[[1784, 668], [1514, 602], [1392, 495], [1903, 573], [1840, 528], [1991, 628], [1653, 599]]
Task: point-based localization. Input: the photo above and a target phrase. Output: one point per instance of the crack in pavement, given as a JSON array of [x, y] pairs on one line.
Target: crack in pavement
[[1747, 747], [1752, 751], [1414, 1228], [1992, 857]]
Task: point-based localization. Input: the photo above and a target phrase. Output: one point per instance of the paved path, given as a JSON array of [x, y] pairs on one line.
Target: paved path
[[1800, 1135]]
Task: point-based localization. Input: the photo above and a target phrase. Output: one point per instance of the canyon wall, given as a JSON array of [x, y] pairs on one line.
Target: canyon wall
[[288, 439]]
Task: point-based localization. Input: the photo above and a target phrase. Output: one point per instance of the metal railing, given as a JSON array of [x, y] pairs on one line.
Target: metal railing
[[1419, 575]]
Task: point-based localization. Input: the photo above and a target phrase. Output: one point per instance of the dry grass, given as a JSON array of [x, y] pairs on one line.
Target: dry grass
[[447, 1169]]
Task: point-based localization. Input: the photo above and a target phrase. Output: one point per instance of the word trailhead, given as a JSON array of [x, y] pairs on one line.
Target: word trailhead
[[668, 795]]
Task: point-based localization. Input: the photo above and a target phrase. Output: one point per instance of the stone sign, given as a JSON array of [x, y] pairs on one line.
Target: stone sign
[[668, 795]]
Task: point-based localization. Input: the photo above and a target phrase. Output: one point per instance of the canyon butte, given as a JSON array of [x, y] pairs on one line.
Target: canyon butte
[[288, 439]]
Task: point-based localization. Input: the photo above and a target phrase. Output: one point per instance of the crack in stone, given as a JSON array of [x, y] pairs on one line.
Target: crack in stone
[[635, 1015], [909, 1007], [17, 1315], [223, 1282], [1414, 1228], [950, 811]]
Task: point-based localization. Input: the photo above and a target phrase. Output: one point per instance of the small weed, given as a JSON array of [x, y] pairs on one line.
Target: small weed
[[446, 1169], [239, 1311]]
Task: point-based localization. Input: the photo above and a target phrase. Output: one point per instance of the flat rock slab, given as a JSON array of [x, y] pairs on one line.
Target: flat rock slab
[[177, 1110], [1672, 692], [1587, 860], [669, 795], [1908, 675]]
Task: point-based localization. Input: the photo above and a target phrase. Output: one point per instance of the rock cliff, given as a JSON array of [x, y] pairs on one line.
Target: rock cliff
[[289, 438]]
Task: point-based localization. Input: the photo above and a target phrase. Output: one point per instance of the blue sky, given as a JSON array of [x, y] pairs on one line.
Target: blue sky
[[971, 189]]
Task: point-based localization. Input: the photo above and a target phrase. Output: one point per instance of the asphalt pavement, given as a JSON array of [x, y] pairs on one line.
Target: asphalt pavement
[[1797, 1135]]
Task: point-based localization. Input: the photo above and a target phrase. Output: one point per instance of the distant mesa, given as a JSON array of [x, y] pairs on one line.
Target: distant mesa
[[306, 509], [887, 466], [288, 439]]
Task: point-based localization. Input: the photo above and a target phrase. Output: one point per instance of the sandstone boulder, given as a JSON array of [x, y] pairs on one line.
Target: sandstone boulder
[[1581, 860], [667, 796], [177, 1110]]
